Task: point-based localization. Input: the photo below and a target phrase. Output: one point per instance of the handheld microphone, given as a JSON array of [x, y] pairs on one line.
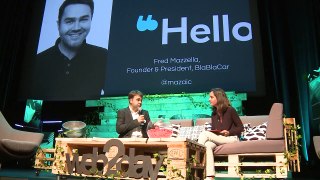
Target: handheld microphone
[[140, 113]]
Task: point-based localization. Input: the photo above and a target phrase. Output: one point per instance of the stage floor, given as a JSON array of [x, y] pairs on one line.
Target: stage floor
[[29, 174], [24, 174]]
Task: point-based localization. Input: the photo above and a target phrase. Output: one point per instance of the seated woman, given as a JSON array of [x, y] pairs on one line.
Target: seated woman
[[226, 127]]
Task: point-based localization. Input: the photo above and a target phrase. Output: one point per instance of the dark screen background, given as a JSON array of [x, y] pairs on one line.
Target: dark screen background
[[130, 48]]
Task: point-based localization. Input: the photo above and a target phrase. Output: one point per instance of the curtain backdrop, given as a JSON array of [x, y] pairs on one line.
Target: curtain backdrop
[[15, 20], [293, 38]]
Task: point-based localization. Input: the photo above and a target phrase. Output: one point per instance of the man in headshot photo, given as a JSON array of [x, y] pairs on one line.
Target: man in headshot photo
[[72, 69]]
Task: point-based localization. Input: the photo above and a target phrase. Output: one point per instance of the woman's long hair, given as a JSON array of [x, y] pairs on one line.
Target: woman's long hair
[[222, 101]]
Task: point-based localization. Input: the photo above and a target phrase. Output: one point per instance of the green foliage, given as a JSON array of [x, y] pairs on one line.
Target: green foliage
[[174, 172], [293, 149]]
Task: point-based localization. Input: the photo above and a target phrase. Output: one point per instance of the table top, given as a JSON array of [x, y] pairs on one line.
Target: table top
[[98, 140]]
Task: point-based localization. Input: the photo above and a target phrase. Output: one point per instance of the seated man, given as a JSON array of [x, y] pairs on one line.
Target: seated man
[[133, 120]]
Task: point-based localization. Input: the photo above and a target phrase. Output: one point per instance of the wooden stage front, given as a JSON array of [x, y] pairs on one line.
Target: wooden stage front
[[125, 158]]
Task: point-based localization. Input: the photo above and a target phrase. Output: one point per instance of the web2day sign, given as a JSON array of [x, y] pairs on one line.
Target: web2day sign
[[88, 163]]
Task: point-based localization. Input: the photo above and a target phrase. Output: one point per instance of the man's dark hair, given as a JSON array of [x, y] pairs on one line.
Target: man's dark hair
[[134, 93], [68, 2]]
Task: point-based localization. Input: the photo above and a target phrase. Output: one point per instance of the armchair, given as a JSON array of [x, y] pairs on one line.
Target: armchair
[[16, 144], [316, 143]]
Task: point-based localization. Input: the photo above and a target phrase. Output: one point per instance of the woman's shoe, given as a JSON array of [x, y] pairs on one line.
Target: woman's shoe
[[209, 178]]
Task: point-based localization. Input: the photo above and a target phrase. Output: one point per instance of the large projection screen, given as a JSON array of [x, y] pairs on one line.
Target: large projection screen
[[162, 47]]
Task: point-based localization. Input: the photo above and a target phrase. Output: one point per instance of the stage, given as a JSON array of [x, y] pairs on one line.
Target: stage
[[310, 173]]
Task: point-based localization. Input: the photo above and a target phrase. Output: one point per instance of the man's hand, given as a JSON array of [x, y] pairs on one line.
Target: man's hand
[[141, 119], [158, 123]]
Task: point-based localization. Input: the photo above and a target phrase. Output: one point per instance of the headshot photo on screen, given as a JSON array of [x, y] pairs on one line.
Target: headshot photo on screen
[[72, 50]]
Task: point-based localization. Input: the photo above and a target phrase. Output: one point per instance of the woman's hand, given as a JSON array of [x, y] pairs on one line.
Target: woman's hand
[[225, 133]]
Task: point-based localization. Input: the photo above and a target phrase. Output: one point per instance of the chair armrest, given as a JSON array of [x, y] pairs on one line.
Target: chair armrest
[[26, 136]]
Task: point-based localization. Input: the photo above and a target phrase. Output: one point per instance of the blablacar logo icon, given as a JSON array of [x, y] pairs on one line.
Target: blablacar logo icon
[[148, 24]]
